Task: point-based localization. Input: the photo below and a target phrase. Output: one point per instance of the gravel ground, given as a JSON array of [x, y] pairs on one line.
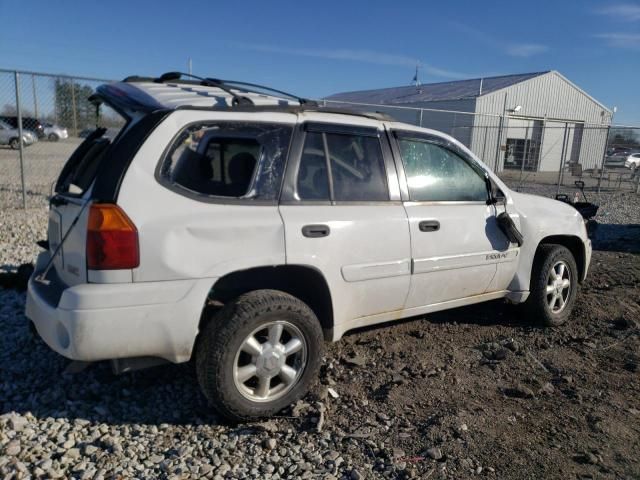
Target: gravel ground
[[468, 393]]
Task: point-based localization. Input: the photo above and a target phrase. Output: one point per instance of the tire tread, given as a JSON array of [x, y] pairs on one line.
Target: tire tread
[[219, 333]]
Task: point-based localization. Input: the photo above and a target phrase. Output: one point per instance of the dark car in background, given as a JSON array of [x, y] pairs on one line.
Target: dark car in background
[[28, 123]]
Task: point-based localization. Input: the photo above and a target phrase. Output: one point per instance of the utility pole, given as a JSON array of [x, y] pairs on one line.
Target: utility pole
[[189, 66]]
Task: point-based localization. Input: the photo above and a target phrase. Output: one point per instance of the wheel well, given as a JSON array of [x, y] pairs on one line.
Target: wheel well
[[304, 283], [573, 244]]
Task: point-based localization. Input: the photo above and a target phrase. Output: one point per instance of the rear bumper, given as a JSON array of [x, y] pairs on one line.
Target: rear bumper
[[93, 322]]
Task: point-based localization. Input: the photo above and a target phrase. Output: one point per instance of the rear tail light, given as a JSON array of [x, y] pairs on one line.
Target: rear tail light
[[112, 239]]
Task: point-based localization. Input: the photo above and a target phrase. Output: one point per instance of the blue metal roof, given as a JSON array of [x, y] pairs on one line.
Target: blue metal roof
[[434, 92]]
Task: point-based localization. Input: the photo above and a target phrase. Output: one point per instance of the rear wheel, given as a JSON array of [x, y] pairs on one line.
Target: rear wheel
[[259, 354], [554, 285], [14, 143]]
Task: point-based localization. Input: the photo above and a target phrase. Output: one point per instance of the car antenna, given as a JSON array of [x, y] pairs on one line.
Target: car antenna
[[209, 82]]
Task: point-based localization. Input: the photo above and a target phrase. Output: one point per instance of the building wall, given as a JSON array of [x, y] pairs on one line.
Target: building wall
[[553, 97], [458, 125]]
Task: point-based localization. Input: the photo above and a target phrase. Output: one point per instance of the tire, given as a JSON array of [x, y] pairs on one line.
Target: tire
[[222, 356], [14, 143], [53, 137], [539, 304]]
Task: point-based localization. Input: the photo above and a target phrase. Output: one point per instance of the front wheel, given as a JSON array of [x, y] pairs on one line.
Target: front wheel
[[259, 354], [53, 137], [554, 285], [14, 143]]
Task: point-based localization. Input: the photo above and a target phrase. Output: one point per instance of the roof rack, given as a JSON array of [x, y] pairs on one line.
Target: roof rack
[[225, 85], [244, 103]]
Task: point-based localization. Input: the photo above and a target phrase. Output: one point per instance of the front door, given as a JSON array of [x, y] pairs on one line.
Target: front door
[[456, 243], [343, 216]]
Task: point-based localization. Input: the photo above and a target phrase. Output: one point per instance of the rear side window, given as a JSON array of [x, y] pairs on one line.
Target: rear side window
[[354, 170], [228, 159]]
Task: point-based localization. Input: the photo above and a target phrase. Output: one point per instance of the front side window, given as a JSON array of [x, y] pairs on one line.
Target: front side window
[[437, 174], [355, 167], [229, 159]]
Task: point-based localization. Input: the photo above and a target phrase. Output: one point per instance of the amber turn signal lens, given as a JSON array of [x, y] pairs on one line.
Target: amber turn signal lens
[[112, 239]]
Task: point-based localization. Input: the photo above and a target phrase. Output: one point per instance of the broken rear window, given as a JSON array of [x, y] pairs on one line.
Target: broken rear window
[[229, 159]]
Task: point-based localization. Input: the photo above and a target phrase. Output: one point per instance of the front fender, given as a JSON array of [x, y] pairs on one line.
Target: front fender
[[543, 220]]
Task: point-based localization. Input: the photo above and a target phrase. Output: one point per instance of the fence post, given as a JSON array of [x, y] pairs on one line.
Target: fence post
[[604, 158], [16, 78], [498, 143], [565, 140], [35, 96], [421, 111], [524, 155], [73, 108]]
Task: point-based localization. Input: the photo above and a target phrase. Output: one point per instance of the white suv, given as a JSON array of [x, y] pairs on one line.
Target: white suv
[[244, 229]]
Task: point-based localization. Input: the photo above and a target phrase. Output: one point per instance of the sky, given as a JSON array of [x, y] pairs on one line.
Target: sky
[[318, 48]]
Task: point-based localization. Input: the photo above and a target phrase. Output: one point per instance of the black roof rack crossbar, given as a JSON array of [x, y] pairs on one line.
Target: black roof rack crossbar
[[246, 103], [209, 82], [225, 85], [300, 100]]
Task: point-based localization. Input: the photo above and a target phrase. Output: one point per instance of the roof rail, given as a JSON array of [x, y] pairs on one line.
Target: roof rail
[[225, 85], [241, 102], [244, 85], [292, 109], [209, 82]]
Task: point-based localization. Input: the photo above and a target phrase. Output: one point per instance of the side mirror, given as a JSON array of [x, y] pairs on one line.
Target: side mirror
[[494, 194]]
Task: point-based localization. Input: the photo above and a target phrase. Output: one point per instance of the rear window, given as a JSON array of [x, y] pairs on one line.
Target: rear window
[[228, 159], [80, 169]]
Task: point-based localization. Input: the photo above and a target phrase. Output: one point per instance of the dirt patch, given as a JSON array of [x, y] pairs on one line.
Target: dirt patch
[[496, 396]]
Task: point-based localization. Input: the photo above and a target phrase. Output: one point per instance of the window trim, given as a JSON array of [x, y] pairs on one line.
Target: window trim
[[289, 191], [398, 134], [219, 199]]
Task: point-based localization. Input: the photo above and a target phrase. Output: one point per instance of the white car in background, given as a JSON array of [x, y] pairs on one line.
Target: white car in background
[[242, 230], [632, 162], [55, 132], [11, 136]]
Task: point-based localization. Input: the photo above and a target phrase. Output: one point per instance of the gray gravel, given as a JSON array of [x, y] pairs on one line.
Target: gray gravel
[[156, 424], [19, 230]]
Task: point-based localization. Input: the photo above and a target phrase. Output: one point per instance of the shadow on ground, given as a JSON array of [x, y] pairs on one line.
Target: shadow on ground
[[616, 238]]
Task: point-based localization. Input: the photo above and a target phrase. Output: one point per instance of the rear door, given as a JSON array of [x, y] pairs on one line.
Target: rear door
[[456, 243], [343, 216], [68, 211]]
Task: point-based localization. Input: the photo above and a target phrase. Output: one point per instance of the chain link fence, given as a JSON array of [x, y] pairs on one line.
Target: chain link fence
[[536, 155], [52, 113], [43, 118]]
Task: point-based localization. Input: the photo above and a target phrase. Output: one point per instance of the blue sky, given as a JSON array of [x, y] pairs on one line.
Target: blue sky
[[319, 48]]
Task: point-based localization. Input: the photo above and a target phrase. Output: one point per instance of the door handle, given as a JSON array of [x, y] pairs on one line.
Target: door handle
[[429, 225], [316, 231]]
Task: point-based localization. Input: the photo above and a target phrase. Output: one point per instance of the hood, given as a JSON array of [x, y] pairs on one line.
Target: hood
[[547, 216], [544, 206]]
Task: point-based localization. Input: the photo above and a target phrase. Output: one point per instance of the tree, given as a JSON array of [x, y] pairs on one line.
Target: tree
[[625, 137], [73, 109]]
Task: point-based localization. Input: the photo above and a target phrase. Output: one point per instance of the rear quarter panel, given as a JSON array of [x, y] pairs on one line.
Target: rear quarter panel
[[183, 238]]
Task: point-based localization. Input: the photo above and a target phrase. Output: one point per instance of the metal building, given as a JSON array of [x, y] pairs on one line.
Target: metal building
[[534, 121]]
